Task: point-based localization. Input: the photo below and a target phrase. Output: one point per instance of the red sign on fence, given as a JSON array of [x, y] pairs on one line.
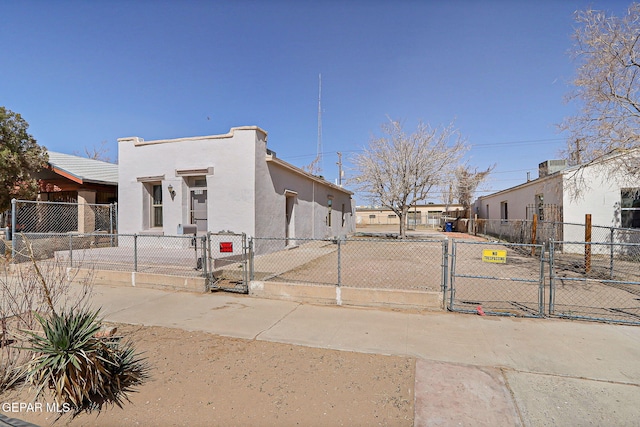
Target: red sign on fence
[[226, 246]]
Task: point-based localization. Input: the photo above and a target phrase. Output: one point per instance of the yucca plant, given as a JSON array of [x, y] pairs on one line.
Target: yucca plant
[[84, 371]]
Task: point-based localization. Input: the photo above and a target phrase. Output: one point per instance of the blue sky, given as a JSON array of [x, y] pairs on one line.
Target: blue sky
[[84, 72]]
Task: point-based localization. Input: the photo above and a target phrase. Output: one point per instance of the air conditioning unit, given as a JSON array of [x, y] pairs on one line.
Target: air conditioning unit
[[187, 229]]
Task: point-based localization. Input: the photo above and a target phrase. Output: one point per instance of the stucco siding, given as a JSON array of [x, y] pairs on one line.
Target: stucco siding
[[519, 198], [593, 189], [601, 199], [230, 185], [227, 182], [310, 209]]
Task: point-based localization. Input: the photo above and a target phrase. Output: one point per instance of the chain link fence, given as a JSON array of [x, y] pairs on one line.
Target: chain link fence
[[524, 231], [516, 231], [58, 217], [595, 281], [221, 258], [410, 264], [599, 234], [499, 279], [171, 255]]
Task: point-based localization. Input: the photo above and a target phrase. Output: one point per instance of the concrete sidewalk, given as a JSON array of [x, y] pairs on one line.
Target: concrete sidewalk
[[470, 370]]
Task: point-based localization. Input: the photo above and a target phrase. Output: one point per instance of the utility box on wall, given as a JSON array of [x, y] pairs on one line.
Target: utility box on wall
[[187, 229]]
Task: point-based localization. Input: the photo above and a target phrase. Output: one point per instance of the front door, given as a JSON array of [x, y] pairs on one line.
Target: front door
[[199, 208], [289, 232]]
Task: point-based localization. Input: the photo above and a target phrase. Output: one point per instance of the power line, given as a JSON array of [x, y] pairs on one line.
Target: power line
[[490, 144], [522, 142]]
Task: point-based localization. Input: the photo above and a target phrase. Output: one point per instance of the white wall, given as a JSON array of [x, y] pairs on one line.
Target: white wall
[[230, 186], [245, 193], [600, 197]]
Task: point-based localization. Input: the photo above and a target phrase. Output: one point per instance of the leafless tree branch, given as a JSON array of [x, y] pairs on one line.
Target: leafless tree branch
[[398, 169], [607, 88]]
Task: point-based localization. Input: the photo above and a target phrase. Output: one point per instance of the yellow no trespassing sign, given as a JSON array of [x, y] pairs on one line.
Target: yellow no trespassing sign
[[498, 256]]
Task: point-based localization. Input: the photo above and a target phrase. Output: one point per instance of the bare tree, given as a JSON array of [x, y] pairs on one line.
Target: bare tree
[[100, 152], [467, 181], [607, 88], [29, 289], [398, 170]]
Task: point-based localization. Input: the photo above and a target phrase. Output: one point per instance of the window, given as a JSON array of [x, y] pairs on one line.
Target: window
[[414, 218], [156, 205], [504, 211], [630, 207]]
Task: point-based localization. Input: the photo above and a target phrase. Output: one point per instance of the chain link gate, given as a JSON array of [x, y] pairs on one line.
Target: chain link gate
[[227, 260], [497, 278]]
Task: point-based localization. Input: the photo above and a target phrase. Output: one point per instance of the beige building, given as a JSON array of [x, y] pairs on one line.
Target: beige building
[[427, 215]]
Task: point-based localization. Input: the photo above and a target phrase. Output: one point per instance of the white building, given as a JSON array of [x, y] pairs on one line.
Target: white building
[[229, 182], [612, 198]]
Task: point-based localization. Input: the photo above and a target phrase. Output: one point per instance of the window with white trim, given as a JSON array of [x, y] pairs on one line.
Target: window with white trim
[[156, 205], [504, 211]]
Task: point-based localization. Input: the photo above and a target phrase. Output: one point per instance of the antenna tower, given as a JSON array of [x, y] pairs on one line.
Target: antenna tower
[[319, 152], [315, 167]]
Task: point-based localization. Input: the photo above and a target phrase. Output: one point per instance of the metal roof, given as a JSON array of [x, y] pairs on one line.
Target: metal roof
[[83, 170]]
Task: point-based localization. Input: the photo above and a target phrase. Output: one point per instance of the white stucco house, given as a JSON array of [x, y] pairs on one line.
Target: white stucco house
[[612, 198], [228, 182]]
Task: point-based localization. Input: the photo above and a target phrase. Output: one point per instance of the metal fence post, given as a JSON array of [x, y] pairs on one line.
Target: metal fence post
[[452, 289], [245, 273], [445, 266], [135, 252], [209, 257], [551, 277], [111, 222], [339, 261], [70, 250], [251, 270], [13, 229], [111, 218], [204, 262], [541, 285], [611, 253]]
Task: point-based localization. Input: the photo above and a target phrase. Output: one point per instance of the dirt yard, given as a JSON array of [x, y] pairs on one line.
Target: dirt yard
[[200, 379]]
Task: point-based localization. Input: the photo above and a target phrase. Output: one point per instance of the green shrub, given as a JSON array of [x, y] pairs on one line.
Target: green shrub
[[82, 370]]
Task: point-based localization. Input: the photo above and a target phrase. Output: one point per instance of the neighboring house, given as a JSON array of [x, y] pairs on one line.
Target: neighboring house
[[77, 179], [428, 215], [229, 182], [612, 199]]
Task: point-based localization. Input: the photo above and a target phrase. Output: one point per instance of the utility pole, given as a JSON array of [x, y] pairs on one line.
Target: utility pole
[[577, 155], [339, 169]]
